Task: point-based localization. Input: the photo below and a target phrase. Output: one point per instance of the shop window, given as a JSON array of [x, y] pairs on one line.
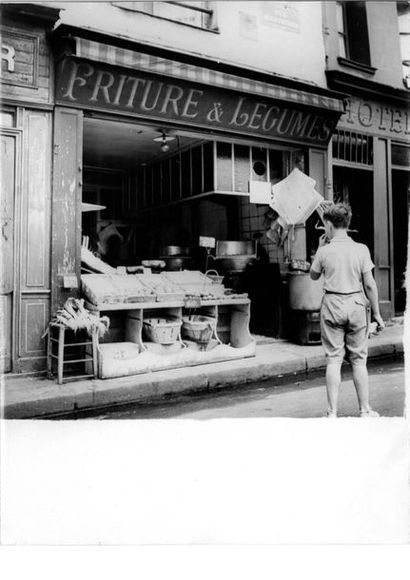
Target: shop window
[[197, 14], [403, 14], [352, 147], [353, 33]]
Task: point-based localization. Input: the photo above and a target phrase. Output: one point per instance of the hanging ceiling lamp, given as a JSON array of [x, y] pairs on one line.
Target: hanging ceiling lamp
[[164, 140]]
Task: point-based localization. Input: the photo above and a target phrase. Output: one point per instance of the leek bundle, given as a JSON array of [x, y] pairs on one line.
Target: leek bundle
[[75, 316]]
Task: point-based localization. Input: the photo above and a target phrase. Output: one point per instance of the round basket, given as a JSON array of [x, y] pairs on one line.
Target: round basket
[[198, 329], [162, 330], [214, 276]]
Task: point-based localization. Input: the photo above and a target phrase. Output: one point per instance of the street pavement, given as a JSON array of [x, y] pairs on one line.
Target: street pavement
[[299, 399]]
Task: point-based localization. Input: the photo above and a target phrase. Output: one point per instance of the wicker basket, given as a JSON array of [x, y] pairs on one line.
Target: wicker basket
[[162, 330], [214, 276], [198, 328]]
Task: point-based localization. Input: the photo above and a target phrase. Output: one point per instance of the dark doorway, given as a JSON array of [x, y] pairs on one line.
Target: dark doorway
[[355, 186], [400, 194]]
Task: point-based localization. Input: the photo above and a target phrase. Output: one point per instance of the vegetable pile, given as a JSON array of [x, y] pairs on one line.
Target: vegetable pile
[[75, 316]]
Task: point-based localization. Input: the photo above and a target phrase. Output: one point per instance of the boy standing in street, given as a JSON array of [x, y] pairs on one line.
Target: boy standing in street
[[344, 316]]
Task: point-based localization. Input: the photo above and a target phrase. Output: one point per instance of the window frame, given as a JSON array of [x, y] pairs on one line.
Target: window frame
[[208, 8], [348, 58]]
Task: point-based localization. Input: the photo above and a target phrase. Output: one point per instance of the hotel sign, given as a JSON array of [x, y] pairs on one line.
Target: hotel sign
[[368, 116], [19, 58], [88, 85]]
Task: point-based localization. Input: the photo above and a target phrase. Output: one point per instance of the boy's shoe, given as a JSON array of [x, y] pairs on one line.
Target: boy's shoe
[[369, 413]]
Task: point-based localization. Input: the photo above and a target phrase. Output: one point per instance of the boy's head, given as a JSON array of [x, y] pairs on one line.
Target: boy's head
[[339, 215]]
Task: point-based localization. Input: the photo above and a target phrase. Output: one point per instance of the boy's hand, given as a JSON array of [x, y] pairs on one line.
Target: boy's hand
[[380, 323], [323, 240]]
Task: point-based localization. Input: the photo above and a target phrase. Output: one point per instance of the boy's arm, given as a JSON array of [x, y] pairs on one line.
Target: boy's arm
[[372, 294]]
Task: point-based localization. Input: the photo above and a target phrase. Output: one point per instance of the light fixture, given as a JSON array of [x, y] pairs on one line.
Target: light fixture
[[164, 139]]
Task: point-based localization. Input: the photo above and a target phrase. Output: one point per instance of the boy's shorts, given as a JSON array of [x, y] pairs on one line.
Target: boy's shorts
[[344, 326]]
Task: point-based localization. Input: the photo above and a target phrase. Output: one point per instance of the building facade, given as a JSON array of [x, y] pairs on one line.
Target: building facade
[[366, 59], [165, 114]]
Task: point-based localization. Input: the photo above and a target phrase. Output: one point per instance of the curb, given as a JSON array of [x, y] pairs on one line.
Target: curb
[[100, 394]]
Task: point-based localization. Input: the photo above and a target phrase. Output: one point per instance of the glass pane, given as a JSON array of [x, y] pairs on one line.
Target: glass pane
[[342, 46], [405, 46], [339, 17], [241, 168], [166, 186], [224, 167], [175, 178], [186, 173], [259, 164], [400, 155], [208, 149], [178, 13], [196, 170]]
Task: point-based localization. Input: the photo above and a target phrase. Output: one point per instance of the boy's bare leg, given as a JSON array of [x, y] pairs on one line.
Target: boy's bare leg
[[361, 383], [333, 379]]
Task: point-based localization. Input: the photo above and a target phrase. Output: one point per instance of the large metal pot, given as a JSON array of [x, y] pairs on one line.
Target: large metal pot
[[305, 293], [175, 251], [233, 263]]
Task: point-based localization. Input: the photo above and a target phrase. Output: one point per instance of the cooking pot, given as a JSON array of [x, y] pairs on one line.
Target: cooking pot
[[175, 251], [175, 263], [233, 263]]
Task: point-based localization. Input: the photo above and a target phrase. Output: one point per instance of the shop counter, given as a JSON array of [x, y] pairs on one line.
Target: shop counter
[[130, 351]]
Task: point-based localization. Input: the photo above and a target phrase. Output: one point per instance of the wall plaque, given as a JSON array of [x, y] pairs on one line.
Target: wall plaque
[[19, 58]]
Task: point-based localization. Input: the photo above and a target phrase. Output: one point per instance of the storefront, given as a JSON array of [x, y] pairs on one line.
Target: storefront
[[165, 151], [371, 160]]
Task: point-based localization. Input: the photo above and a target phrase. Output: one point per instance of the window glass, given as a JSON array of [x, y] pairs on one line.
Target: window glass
[[198, 14], [403, 13], [400, 155], [353, 31]]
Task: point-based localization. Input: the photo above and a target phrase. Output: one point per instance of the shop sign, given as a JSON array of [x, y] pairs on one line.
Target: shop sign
[[19, 58], [377, 118], [88, 85]]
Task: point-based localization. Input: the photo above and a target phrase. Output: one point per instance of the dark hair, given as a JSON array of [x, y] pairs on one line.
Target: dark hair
[[339, 214]]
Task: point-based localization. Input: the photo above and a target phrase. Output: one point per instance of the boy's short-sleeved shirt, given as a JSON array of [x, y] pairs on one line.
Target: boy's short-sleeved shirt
[[343, 263]]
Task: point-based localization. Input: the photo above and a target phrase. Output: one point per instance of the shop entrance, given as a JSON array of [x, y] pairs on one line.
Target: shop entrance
[[401, 204], [155, 190], [355, 186]]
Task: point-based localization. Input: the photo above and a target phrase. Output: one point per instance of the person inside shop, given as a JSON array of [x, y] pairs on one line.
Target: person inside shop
[[349, 288], [112, 251]]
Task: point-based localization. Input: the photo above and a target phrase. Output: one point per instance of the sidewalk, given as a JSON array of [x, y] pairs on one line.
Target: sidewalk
[[28, 397]]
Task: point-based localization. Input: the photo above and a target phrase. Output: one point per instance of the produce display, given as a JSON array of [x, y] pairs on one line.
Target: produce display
[[163, 288], [104, 289], [182, 286], [195, 283]]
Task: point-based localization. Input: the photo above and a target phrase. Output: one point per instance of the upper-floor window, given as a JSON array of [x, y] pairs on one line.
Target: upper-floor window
[[403, 13], [352, 32], [197, 14]]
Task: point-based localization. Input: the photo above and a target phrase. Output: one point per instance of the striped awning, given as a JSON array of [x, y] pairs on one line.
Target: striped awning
[[109, 54]]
